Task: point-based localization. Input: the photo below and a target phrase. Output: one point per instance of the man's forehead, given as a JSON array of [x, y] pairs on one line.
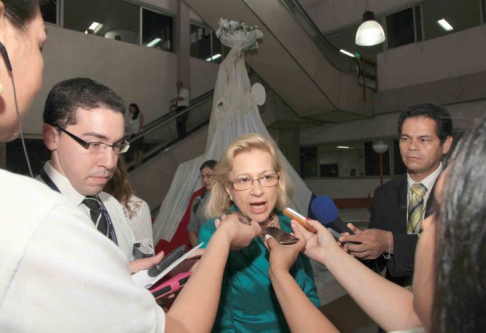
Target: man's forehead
[[101, 122], [419, 126]]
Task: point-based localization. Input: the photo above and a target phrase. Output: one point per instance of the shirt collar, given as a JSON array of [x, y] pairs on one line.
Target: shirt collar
[[428, 181], [64, 185]]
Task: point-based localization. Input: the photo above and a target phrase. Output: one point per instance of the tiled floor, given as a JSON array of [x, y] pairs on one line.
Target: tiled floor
[[348, 317]]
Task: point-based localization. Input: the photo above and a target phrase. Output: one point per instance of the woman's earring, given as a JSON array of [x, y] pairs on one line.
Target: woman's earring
[[1, 88], [231, 198]]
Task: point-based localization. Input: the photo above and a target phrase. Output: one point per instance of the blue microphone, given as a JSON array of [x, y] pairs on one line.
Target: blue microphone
[[327, 214]]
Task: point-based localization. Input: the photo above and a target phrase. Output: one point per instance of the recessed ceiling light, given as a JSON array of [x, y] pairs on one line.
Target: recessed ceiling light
[[445, 25]]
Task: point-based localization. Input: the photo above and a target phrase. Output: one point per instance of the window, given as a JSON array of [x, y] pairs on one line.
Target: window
[[372, 161], [112, 19], [49, 11], [400, 28], [158, 30], [205, 44], [308, 162]]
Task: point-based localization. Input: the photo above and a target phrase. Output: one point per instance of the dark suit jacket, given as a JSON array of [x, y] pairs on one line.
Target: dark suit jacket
[[389, 212]]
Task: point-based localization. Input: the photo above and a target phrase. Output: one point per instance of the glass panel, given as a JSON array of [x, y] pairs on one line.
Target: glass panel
[[49, 10], [372, 161], [157, 30], [119, 20], [400, 28], [308, 162], [217, 48], [162, 132], [201, 42], [460, 15], [399, 166], [418, 23]]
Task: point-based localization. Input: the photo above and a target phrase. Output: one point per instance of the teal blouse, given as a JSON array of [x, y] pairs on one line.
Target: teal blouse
[[248, 302]]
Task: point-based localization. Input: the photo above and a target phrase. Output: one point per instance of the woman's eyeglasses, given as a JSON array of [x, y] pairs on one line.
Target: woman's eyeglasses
[[244, 183], [208, 176]]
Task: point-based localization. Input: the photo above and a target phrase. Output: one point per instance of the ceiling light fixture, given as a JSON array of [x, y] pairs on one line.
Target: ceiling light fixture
[[95, 26], [343, 147], [216, 56], [370, 32], [445, 25], [154, 42], [349, 54]]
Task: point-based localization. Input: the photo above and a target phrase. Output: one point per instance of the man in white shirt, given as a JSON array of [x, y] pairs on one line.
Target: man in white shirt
[[400, 205], [84, 130], [181, 102]]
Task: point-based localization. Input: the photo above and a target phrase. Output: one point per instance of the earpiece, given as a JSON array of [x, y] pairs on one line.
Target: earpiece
[[5, 57]]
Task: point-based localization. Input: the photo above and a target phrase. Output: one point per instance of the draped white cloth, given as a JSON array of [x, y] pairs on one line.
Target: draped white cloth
[[234, 113]]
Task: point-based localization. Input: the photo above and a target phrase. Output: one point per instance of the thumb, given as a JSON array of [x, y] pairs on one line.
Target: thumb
[[353, 228], [270, 242]]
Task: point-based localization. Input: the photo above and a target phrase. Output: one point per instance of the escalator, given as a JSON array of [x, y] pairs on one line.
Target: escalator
[[312, 77]]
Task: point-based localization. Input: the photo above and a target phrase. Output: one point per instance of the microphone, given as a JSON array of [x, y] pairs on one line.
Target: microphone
[[327, 214]]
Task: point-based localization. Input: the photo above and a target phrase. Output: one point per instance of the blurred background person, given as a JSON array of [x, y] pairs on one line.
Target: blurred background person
[[180, 103], [134, 128], [198, 217], [136, 211], [250, 179]]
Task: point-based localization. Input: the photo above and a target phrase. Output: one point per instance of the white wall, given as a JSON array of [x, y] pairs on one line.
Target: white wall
[[345, 188], [138, 74], [463, 117], [166, 5], [203, 76], [441, 58]]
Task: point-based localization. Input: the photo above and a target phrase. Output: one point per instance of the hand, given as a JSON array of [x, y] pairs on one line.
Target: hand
[[317, 245], [145, 263], [373, 243], [282, 257], [240, 235]]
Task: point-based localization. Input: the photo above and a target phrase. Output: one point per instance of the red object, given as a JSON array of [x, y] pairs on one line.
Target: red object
[[181, 235], [171, 286]]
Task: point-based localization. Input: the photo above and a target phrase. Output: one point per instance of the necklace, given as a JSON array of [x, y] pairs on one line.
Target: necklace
[[272, 222]]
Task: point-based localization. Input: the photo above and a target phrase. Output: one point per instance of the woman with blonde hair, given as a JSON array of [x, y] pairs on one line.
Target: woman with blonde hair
[[250, 179]]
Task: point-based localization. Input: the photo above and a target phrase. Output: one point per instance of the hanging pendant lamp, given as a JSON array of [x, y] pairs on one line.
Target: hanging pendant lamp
[[369, 32]]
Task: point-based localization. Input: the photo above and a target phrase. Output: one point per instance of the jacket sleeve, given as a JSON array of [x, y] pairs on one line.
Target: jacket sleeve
[[402, 260]]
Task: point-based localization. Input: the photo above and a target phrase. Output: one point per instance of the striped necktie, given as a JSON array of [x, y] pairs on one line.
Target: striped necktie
[[96, 214], [416, 208]]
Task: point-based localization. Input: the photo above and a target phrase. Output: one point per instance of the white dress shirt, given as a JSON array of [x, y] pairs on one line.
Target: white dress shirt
[[60, 274], [184, 93], [123, 232]]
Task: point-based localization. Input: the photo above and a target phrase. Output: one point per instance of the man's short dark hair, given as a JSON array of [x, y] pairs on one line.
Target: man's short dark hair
[[67, 96], [440, 115]]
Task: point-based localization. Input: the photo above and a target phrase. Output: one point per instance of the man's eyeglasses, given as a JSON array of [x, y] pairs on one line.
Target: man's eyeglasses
[[244, 183], [98, 147]]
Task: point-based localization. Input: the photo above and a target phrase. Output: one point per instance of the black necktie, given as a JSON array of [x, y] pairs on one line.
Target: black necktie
[[96, 213]]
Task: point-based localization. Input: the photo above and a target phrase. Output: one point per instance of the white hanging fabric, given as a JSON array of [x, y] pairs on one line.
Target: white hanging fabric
[[234, 113]]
